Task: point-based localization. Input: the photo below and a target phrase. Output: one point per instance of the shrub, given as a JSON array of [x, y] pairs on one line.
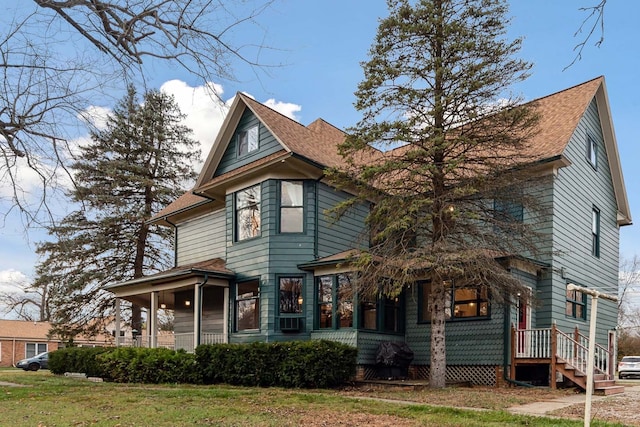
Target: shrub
[[77, 359], [303, 364], [149, 365]]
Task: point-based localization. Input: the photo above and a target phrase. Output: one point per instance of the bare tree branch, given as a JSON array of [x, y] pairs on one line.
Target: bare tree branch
[[594, 19]]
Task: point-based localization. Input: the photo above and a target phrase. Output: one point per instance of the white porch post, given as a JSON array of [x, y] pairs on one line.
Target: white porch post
[[197, 309], [117, 307], [153, 320], [225, 316]]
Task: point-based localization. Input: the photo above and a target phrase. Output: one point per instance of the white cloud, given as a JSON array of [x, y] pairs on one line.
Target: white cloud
[[286, 108], [204, 109], [95, 116], [12, 280]]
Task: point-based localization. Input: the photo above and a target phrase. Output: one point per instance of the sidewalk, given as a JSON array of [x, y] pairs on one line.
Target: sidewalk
[[542, 408]]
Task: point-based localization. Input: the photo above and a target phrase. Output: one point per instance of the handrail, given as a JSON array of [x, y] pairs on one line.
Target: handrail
[[573, 350]]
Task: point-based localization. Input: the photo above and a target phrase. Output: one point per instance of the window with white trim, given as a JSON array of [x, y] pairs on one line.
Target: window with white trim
[[247, 141], [291, 207], [34, 348]]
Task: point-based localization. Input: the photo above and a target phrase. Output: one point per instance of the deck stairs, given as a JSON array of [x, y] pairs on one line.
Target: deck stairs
[[566, 354]]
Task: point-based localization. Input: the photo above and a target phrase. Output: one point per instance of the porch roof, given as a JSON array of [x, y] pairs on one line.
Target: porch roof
[[214, 268]]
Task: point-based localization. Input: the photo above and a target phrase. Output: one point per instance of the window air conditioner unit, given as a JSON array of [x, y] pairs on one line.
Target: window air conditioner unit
[[290, 324]]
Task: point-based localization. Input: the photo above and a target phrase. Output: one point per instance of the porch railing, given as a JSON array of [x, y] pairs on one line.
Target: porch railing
[[183, 341], [571, 349]]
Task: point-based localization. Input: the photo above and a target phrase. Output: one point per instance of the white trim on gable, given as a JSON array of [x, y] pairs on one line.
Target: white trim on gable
[[611, 147]]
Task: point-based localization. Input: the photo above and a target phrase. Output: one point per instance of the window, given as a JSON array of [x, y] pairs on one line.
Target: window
[[325, 302], [291, 295], [248, 213], [382, 314], [595, 232], [461, 302], [248, 141], [576, 305], [592, 151], [247, 306], [291, 207], [335, 301], [509, 211], [33, 349]]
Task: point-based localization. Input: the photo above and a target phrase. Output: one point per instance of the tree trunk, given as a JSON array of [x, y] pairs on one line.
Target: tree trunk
[[438, 368]]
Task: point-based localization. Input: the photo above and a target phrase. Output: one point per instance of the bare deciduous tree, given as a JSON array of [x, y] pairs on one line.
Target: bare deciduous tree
[[59, 57], [589, 25]]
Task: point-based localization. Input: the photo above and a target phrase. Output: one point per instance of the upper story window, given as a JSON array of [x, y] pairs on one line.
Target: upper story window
[[461, 302], [247, 215], [247, 141], [592, 151], [291, 207], [508, 211], [576, 305], [247, 306], [595, 232], [291, 295]]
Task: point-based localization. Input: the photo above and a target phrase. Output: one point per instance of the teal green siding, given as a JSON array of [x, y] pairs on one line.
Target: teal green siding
[[577, 189], [267, 145], [344, 234], [468, 342]]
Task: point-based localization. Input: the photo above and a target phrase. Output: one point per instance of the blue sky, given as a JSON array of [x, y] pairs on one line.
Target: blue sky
[[317, 47]]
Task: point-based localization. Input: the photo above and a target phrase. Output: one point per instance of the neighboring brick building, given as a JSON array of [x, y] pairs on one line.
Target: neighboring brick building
[[20, 339]]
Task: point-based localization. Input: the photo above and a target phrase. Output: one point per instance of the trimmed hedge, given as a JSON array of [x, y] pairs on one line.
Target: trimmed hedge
[[77, 359], [299, 364], [149, 365], [294, 364]]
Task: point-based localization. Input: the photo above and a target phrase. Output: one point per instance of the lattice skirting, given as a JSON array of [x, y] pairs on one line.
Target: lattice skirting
[[477, 375]]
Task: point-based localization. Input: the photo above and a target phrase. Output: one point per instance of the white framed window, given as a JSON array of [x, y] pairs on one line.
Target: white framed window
[[34, 348], [291, 207], [247, 141]]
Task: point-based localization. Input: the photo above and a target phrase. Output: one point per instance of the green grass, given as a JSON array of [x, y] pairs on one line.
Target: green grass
[[48, 400]]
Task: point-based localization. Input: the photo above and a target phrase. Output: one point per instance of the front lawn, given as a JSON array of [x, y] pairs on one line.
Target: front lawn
[[48, 400]]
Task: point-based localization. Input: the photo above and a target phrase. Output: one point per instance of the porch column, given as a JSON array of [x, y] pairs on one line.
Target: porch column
[[153, 320], [225, 316], [117, 308], [197, 309]]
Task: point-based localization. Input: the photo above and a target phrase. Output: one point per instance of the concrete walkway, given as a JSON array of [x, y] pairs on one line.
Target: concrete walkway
[[542, 408]]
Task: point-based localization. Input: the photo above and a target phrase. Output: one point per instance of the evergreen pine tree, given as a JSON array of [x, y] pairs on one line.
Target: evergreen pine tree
[[140, 162]]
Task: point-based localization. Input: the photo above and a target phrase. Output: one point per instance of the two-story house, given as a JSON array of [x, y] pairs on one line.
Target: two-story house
[[257, 259]]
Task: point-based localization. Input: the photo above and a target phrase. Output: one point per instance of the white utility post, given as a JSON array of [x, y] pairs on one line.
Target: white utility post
[[592, 342]]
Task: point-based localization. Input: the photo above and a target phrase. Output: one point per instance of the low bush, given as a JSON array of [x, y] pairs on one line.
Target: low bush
[[77, 359], [299, 364], [149, 365]]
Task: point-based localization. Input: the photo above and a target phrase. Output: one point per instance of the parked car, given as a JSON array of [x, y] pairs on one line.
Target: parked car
[[629, 366], [34, 363]]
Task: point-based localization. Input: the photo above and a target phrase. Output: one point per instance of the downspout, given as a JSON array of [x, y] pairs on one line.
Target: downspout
[[175, 241], [507, 334]]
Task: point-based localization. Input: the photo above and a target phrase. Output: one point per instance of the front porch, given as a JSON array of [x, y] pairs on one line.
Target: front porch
[[565, 354], [198, 296], [172, 341]]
